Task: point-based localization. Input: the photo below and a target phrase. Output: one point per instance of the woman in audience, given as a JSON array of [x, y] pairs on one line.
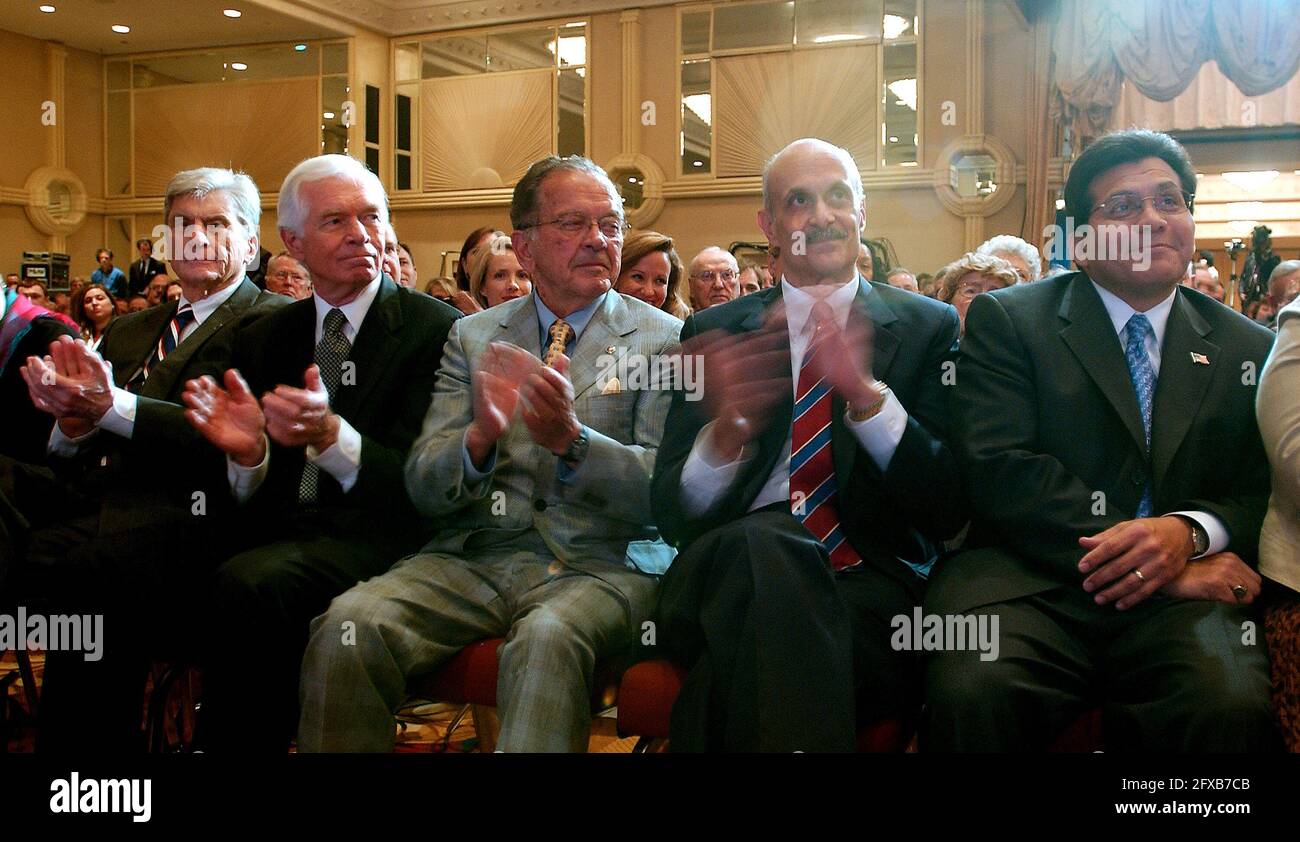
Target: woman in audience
[[972, 274], [473, 242], [653, 272], [495, 275], [1278, 409], [392, 261], [410, 277], [93, 309]]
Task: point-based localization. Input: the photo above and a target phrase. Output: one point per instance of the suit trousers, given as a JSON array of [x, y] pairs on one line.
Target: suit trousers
[[262, 603], [558, 621], [1170, 675], [784, 654]]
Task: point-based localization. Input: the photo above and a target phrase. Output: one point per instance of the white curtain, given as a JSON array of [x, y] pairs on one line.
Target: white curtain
[[1159, 46]]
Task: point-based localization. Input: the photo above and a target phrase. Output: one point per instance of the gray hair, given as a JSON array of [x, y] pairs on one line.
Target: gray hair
[[1281, 270], [855, 177], [290, 210], [1011, 244], [523, 203], [243, 193], [705, 252]]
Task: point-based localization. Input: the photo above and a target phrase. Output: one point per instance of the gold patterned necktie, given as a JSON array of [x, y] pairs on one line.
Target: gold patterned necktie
[[560, 334]]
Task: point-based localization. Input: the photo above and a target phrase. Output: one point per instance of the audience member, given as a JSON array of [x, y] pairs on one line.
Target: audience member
[[410, 278], [345, 378], [26, 330], [61, 303], [135, 305], [1205, 279], [781, 600], [174, 291], [144, 267], [925, 284], [751, 279], [155, 292], [93, 310], [108, 274], [473, 242], [652, 271], [35, 292], [971, 275], [903, 279], [287, 276], [713, 278], [391, 260], [1283, 285], [1092, 414], [1023, 257], [495, 275], [866, 261], [565, 570], [1278, 409]]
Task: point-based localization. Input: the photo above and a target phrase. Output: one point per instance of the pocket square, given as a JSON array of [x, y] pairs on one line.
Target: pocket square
[[613, 387]]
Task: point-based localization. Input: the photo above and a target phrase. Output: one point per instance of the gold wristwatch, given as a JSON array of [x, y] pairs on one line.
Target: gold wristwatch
[[857, 416]]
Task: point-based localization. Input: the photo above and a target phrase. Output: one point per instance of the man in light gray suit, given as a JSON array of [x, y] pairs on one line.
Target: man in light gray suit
[[535, 464]]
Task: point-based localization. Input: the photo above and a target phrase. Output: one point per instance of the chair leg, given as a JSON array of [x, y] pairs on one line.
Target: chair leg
[[29, 681], [650, 745], [157, 722], [487, 726], [5, 681]]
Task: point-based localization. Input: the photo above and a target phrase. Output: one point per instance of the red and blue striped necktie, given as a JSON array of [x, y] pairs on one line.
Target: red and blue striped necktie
[[171, 337], [814, 498]]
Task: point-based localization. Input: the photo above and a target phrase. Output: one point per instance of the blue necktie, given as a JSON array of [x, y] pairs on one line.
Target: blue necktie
[[1144, 383]]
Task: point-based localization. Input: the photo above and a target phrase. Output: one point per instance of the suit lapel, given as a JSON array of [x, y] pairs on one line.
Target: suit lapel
[[163, 378], [606, 329], [1091, 336], [1182, 382], [375, 344], [140, 340], [885, 342]]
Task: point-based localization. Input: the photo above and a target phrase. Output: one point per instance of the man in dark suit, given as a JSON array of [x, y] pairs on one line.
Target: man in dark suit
[[345, 379], [1105, 424], [143, 268], [129, 463], [806, 495]]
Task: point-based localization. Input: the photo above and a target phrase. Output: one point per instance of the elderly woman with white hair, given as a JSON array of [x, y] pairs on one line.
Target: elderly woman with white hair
[[1021, 255]]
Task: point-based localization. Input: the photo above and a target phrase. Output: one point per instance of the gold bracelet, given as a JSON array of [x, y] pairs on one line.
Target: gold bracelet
[[857, 416]]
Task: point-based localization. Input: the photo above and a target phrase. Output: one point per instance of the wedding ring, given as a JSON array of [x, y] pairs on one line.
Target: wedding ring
[[1239, 591], [1138, 573]]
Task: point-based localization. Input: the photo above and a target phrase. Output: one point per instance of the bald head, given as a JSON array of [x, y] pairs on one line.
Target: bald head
[[715, 278], [797, 154], [1284, 283]]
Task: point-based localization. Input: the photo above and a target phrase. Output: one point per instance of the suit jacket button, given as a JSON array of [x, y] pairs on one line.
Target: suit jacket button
[[1139, 479], [539, 505]]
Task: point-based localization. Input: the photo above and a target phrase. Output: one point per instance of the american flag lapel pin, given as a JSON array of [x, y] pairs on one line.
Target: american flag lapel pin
[[610, 350], [1200, 359]]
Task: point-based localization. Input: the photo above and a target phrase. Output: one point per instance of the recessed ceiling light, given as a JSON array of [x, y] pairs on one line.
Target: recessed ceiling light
[[299, 47], [48, 9], [328, 115], [698, 163], [238, 65], [121, 28], [232, 13]]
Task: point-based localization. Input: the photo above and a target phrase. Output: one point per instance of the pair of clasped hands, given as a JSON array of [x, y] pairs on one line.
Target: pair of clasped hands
[[507, 378]]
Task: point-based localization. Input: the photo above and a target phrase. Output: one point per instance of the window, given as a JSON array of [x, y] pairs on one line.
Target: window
[[709, 36]]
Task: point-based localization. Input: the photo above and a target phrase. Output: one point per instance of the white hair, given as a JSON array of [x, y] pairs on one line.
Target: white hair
[[290, 209], [855, 177], [200, 182], [1011, 244]]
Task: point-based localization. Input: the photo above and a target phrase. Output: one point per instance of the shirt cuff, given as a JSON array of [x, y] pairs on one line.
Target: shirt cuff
[[1214, 529], [703, 482], [61, 444], [342, 459], [473, 476], [244, 482], [880, 434], [120, 418]]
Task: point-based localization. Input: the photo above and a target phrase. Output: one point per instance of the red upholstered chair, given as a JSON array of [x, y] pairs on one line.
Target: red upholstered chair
[[470, 678], [645, 704]]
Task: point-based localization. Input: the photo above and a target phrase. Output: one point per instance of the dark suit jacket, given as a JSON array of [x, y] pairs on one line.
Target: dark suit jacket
[[154, 475], [137, 280], [396, 354], [920, 490], [26, 428], [1050, 438]]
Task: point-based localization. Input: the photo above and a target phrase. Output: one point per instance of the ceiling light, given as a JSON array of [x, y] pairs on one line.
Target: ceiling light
[[698, 163], [905, 90], [1060, 204], [48, 9], [1250, 179], [701, 105], [232, 13], [299, 47], [328, 115], [837, 37], [121, 28], [238, 65], [895, 25]]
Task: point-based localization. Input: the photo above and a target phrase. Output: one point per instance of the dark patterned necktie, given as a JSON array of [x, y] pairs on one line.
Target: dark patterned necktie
[[171, 337], [331, 352]]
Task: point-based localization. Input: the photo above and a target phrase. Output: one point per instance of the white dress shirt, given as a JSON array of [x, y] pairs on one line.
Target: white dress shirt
[[704, 480], [341, 460], [1120, 313], [120, 417]]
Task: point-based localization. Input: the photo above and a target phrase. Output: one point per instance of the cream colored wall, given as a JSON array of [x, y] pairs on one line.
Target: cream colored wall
[[27, 144]]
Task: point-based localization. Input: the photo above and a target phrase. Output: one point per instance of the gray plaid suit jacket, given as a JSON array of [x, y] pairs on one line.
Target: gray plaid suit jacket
[[598, 516]]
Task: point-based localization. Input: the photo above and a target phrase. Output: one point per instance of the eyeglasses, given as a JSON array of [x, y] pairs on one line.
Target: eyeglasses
[[573, 224], [709, 276], [1127, 206]]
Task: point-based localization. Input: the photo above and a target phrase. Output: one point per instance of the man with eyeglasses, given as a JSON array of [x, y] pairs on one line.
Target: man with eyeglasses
[[534, 465], [715, 278], [1105, 424]]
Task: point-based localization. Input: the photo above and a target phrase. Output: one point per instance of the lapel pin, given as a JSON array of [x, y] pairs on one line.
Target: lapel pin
[[610, 350], [1200, 359]]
